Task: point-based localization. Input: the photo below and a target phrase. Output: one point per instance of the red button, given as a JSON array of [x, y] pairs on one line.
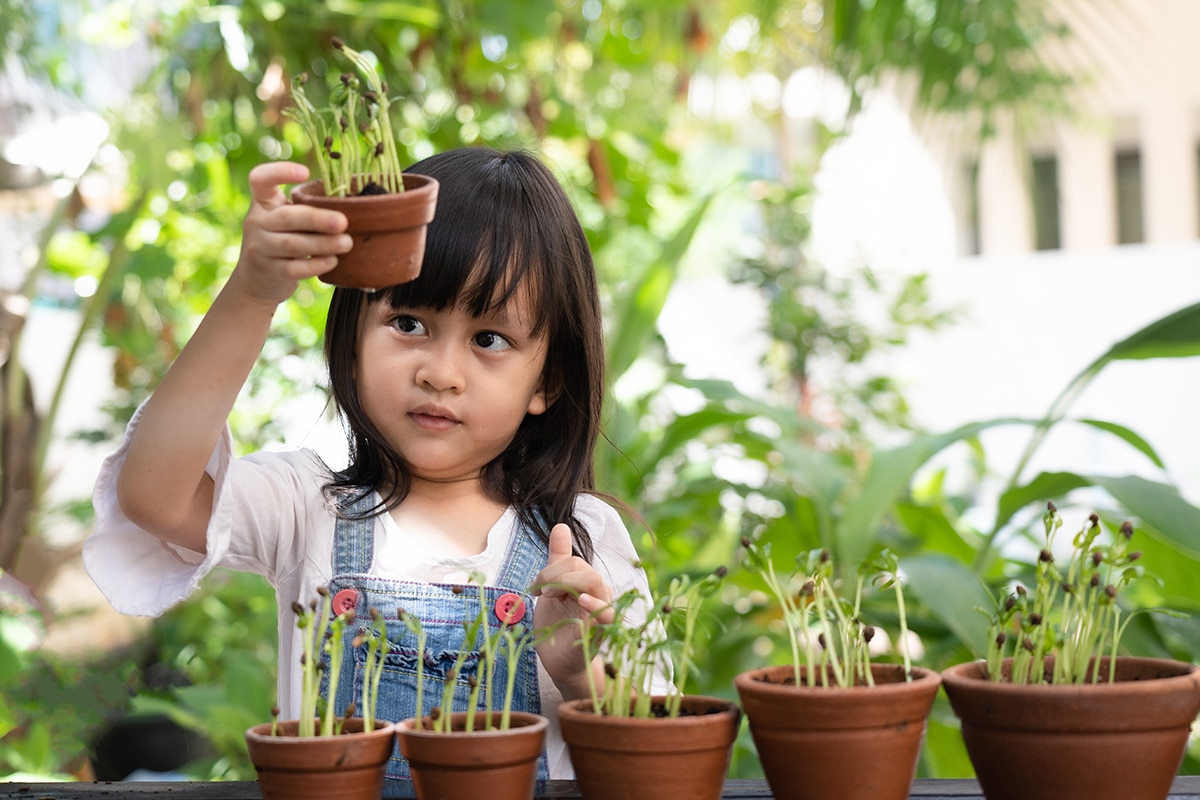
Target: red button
[[345, 600], [510, 608]]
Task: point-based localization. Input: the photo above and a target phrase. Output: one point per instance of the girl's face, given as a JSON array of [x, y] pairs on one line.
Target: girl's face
[[446, 389]]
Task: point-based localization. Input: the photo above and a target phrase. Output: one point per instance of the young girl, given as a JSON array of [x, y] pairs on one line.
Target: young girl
[[471, 399]]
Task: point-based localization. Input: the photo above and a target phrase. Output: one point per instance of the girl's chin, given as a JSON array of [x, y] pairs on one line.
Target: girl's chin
[[445, 479]]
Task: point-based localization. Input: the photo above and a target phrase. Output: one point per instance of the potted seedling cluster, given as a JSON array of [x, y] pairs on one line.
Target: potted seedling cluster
[[487, 749], [831, 723], [1054, 711], [358, 161], [631, 738], [323, 752]]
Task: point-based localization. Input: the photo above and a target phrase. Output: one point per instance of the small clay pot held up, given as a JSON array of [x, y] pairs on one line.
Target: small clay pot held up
[[484, 764], [388, 231], [680, 758], [858, 743], [1123, 739], [349, 766]]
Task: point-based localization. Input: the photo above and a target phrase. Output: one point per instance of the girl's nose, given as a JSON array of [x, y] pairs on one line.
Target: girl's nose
[[441, 368]]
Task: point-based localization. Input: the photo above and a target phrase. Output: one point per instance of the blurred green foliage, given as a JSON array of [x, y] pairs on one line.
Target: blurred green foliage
[[222, 642], [51, 707]]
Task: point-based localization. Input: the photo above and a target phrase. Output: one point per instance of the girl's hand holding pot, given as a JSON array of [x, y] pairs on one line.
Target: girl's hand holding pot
[[283, 243]]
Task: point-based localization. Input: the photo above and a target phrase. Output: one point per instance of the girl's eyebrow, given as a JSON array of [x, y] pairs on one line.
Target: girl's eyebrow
[[507, 314], [498, 315], [503, 318]]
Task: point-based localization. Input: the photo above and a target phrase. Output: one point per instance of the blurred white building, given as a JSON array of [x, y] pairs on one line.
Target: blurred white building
[[1057, 241], [1073, 235]]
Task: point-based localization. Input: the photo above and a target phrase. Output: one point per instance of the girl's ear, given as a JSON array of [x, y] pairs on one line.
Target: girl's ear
[[541, 399]]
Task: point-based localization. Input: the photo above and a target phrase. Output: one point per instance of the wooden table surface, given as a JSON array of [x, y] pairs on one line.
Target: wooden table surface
[[1185, 788]]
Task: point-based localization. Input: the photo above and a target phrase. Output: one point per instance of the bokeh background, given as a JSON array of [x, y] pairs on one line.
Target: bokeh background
[[876, 273]]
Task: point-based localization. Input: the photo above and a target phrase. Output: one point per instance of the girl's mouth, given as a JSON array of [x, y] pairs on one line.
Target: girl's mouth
[[434, 419]]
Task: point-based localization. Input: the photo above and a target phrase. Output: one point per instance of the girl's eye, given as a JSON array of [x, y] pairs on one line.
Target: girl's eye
[[407, 324], [492, 341]]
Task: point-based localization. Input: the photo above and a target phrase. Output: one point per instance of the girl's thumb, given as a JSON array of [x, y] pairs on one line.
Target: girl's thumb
[[560, 543]]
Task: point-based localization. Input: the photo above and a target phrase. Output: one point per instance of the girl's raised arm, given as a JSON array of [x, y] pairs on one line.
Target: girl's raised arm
[[162, 486]]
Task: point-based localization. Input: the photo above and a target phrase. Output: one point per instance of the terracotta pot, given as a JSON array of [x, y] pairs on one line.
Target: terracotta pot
[[349, 766], [388, 231], [859, 742], [681, 758], [1124, 739], [490, 765]]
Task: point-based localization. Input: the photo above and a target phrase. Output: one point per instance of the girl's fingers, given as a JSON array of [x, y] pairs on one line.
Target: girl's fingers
[[300, 269], [569, 577], [266, 178], [300, 217], [306, 245], [281, 215], [602, 610]]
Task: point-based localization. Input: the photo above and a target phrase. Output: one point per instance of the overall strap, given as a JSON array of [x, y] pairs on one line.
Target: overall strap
[[354, 537], [526, 557]]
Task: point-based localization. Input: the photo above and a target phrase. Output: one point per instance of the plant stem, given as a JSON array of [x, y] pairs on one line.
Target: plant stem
[[331, 635], [903, 639]]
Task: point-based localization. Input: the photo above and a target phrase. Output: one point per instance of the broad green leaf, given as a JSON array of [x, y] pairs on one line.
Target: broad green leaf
[[637, 315], [1159, 507], [935, 532], [1175, 335], [1171, 569], [1129, 436], [952, 593], [1046, 486], [691, 427], [887, 477], [1143, 637]]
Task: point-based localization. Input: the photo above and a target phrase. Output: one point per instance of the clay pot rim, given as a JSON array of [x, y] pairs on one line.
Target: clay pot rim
[[972, 676], [262, 732], [414, 184], [533, 723], [582, 709], [923, 678]]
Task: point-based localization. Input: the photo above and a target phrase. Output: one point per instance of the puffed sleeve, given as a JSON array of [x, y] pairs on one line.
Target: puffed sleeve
[[269, 500], [139, 573]]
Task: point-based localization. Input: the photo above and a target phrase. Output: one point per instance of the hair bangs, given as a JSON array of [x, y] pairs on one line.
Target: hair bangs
[[494, 243]]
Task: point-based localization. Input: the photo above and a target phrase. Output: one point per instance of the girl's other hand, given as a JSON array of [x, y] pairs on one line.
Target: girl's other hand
[[569, 589], [282, 242]]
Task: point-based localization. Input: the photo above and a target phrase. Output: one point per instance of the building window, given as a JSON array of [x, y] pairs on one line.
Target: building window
[[1129, 197], [1046, 230]]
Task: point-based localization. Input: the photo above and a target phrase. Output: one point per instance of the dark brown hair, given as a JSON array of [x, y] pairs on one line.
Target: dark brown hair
[[503, 224]]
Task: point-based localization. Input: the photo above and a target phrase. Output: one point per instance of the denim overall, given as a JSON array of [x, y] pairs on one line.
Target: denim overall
[[442, 613]]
